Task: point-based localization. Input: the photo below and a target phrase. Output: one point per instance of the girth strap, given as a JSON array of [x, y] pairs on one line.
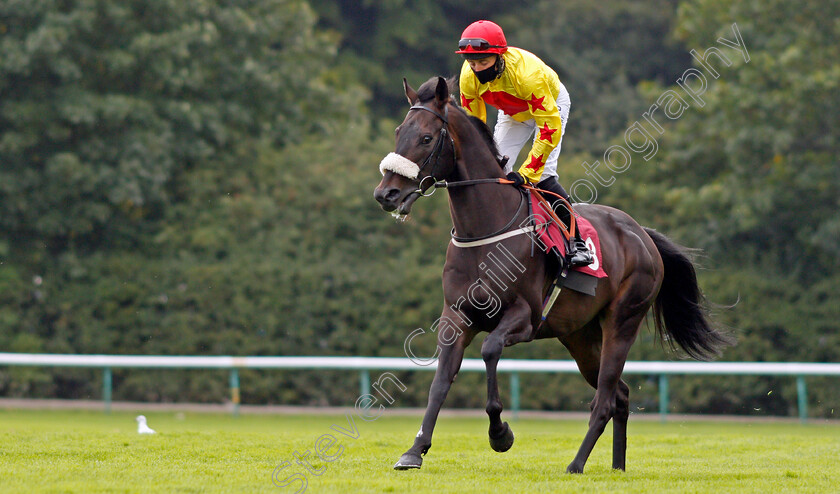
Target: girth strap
[[496, 238]]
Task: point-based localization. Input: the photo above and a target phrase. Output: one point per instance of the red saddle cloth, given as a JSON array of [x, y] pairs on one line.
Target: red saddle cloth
[[551, 237]]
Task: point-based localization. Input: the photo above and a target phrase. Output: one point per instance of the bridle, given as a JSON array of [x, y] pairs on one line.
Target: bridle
[[437, 150]]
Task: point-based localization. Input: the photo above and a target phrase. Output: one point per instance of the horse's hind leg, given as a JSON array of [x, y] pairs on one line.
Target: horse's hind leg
[[619, 332], [515, 327], [619, 420], [622, 414]]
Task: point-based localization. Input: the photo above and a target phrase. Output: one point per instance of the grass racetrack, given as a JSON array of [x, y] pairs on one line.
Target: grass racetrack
[[88, 451]]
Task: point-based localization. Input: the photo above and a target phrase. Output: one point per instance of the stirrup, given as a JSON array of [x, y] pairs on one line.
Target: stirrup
[[579, 257]]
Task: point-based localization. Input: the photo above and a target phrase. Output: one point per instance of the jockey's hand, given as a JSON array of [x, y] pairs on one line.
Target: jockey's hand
[[517, 179]]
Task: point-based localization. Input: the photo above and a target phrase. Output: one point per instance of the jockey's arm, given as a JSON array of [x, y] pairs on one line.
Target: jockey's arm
[[543, 109]]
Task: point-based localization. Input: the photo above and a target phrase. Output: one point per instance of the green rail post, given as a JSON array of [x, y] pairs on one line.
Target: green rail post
[[107, 381], [364, 382], [663, 397], [802, 398], [514, 394], [234, 391]]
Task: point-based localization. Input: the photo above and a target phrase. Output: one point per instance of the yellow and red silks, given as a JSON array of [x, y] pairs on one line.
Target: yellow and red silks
[[527, 89]]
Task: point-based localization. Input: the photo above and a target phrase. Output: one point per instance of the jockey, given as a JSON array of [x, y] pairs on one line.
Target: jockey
[[531, 101]]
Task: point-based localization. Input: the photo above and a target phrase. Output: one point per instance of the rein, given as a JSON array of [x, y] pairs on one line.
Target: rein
[[443, 184], [465, 240], [503, 233]]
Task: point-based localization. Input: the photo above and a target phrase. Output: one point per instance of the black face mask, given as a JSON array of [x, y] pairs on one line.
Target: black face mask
[[486, 75], [490, 73]]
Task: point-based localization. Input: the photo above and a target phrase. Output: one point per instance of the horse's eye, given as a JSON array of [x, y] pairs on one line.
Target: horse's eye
[[427, 139]]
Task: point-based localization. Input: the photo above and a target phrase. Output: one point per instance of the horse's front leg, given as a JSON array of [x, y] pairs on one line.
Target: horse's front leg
[[515, 327], [449, 362]]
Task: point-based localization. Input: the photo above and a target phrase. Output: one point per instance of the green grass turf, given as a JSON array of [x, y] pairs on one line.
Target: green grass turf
[[87, 451]]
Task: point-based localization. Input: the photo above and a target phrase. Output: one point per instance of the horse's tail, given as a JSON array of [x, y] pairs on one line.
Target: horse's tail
[[680, 311]]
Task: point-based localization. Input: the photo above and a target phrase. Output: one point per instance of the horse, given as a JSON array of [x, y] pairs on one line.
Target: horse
[[438, 143]]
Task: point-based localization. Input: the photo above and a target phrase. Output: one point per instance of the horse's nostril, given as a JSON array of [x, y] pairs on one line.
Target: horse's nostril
[[392, 195], [387, 197]]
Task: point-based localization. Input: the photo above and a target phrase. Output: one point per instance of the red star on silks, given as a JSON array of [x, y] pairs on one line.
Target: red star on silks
[[546, 133], [536, 163], [465, 102], [536, 103]]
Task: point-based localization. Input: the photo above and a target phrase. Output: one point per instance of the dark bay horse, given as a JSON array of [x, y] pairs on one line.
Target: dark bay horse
[[437, 141]]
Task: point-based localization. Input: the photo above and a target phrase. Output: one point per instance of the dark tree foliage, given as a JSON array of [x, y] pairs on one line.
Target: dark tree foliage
[[195, 177]]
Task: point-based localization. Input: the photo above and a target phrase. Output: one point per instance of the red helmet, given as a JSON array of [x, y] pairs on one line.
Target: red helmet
[[481, 39]]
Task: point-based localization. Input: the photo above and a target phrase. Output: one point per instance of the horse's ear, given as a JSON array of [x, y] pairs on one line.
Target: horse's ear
[[409, 93], [442, 92]]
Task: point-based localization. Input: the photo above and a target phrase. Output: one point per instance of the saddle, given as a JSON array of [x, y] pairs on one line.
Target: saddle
[[552, 235]]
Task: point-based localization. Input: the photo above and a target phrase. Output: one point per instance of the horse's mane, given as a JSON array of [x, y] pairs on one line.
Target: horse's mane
[[426, 93]]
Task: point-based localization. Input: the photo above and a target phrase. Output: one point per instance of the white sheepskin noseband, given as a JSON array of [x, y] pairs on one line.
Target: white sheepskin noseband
[[399, 165]]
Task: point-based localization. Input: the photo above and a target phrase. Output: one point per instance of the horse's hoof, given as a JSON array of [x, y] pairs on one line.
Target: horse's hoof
[[408, 461], [503, 441]]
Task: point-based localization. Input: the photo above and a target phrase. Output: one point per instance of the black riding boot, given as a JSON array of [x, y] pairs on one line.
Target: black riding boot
[[579, 254]]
